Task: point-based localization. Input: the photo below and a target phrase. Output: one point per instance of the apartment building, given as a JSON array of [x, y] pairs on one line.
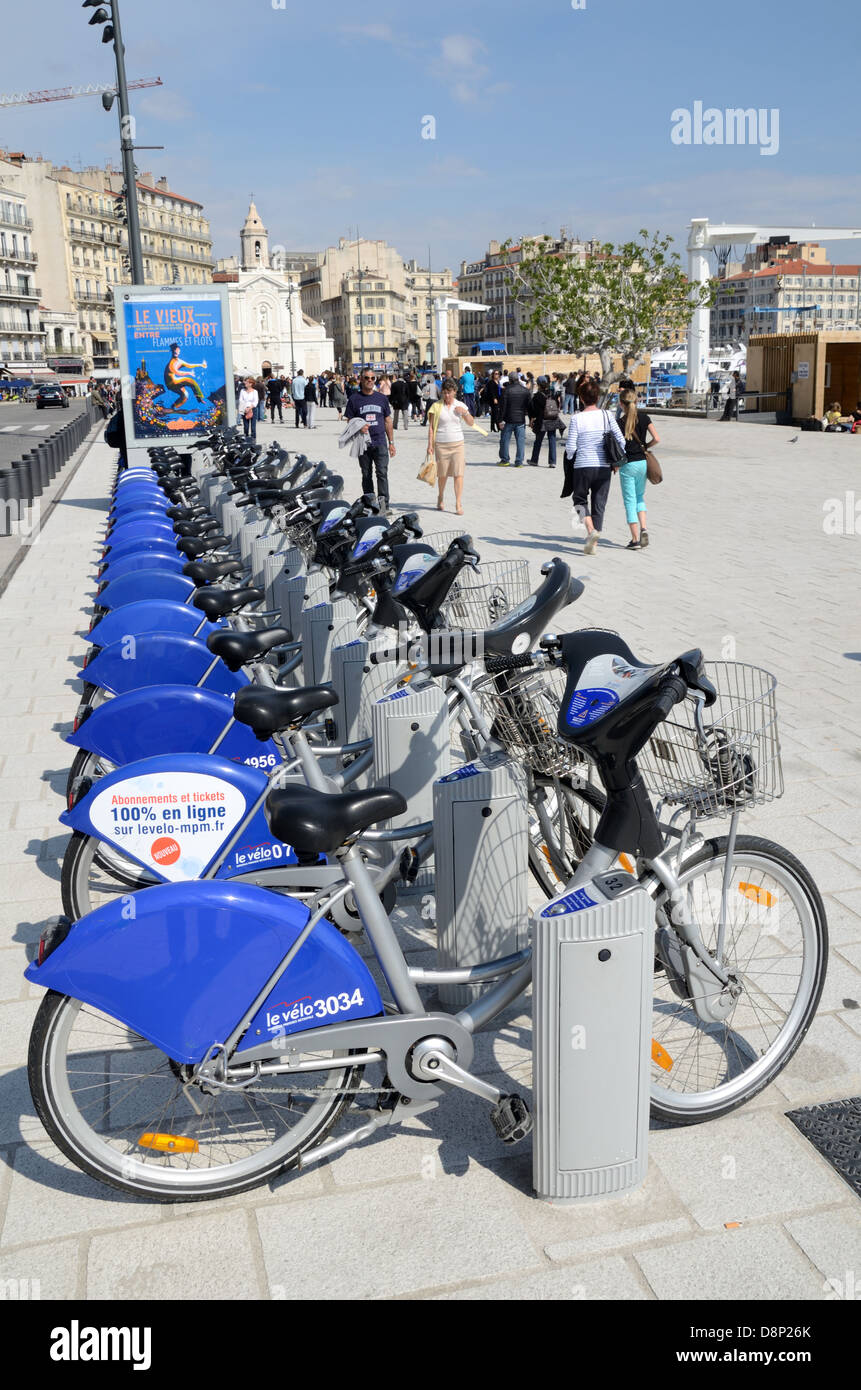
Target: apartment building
[[79, 234], [493, 280], [373, 304], [786, 288], [22, 336]]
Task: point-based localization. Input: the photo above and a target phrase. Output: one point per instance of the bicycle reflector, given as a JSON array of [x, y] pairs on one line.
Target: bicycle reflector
[[51, 938], [661, 1056], [757, 895], [168, 1143]]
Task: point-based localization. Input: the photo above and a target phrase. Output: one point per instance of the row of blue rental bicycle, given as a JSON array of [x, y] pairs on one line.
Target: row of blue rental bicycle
[[297, 714]]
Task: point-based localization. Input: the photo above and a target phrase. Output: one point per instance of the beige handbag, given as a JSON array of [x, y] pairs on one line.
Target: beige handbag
[[427, 472]]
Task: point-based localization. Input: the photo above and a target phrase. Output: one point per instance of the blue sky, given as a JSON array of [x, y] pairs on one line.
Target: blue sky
[[545, 115]]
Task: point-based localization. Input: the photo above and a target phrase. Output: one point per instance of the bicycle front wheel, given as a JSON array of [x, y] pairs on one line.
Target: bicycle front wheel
[[775, 943], [563, 815], [133, 1118]]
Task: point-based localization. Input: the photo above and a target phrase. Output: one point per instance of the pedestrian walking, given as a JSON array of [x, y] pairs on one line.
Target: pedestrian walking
[[546, 422], [338, 396], [430, 393], [639, 434], [588, 470], [371, 406], [260, 385], [385, 385], [248, 403], [274, 389], [513, 409], [400, 403], [310, 402], [445, 442], [297, 390], [467, 386], [491, 394], [413, 396], [730, 410]]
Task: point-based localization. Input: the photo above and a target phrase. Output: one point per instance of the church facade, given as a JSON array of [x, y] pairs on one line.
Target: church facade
[[266, 319]]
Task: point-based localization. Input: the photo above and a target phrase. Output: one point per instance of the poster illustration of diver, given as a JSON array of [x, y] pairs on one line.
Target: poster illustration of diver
[[176, 349]]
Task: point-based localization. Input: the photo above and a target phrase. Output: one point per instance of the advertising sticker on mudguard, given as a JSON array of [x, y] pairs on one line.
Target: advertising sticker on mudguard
[[174, 822]]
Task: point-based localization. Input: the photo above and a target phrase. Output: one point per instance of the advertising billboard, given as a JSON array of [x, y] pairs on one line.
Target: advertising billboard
[[176, 361]]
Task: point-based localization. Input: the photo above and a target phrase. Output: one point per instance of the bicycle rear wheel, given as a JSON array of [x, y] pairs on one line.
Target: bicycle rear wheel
[[776, 942], [130, 1116]]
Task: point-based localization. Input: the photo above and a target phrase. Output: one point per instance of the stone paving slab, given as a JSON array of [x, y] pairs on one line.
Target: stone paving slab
[[740, 565]]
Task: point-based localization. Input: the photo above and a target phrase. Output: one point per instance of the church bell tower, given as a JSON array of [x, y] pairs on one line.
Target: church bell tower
[[255, 242]]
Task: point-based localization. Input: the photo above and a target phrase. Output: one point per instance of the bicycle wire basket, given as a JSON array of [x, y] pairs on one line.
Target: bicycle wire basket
[[303, 536], [477, 601], [522, 708], [737, 764], [441, 540]]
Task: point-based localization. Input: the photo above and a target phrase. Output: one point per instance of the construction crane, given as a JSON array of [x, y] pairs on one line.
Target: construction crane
[[90, 89]]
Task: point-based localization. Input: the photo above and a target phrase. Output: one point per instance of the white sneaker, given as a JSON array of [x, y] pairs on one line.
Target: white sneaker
[[591, 543]]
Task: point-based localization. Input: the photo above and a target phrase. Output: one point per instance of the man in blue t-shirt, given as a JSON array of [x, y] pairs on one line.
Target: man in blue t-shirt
[[467, 386], [373, 407], [297, 391]]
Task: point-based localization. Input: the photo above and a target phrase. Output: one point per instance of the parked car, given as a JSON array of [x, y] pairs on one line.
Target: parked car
[[51, 395], [31, 394]]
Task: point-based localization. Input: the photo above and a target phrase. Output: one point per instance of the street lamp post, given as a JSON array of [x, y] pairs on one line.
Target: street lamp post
[[111, 19], [291, 287]]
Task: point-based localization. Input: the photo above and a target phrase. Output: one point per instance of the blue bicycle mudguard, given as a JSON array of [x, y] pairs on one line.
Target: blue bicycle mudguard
[[173, 813], [147, 513], [139, 500], [141, 809], [148, 559], [152, 615], [140, 488], [157, 546], [170, 719], [145, 528], [156, 658], [184, 968], [126, 532], [141, 584]]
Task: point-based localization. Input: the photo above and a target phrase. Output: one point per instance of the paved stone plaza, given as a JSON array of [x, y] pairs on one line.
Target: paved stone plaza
[[742, 564]]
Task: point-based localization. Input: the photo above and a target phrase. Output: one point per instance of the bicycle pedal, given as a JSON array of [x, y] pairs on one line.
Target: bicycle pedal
[[511, 1119]]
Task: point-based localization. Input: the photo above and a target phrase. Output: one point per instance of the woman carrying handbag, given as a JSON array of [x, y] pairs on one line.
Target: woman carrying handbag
[[639, 434], [594, 447], [445, 443], [247, 407]]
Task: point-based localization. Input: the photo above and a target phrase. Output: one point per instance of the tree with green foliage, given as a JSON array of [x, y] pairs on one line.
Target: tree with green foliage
[[623, 301]]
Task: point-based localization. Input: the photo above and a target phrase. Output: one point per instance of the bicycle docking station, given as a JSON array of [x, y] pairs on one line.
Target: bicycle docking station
[[593, 968], [324, 626], [480, 850], [412, 749]]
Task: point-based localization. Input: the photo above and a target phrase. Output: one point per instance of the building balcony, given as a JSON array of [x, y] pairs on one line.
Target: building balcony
[[18, 257], [20, 330], [25, 357], [25, 224], [91, 297], [98, 238], [13, 292], [80, 207], [180, 254]]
